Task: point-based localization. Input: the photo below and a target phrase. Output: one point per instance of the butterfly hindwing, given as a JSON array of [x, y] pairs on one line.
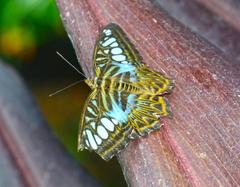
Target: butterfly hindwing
[[104, 125], [107, 128], [147, 112], [88, 120], [153, 81]]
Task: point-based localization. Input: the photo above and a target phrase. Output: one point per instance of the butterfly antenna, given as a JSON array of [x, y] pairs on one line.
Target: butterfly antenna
[[69, 86], [70, 64]]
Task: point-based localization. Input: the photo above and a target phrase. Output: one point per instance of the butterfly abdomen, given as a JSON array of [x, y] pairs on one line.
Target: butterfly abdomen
[[116, 85], [122, 86]]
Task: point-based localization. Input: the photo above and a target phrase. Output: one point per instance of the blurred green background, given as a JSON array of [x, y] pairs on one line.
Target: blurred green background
[[30, 34]]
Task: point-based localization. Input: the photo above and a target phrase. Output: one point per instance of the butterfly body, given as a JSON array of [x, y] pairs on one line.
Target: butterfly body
[[127, 99], [114, 85]]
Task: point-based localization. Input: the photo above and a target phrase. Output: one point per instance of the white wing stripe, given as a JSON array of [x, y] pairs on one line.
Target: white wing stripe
[[91, 139], [114, 121], [108, 42], [119, 58], [102, 132], [116, 50], [99, 140], [91, 111], [107, 32], [107, 124], [115, 44]]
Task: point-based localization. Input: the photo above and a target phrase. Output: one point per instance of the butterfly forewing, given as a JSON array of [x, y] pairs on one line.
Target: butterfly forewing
[[112, 49], [104, 127], [129, 104]]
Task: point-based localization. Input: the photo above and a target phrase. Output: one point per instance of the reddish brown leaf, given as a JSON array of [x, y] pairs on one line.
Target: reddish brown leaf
[[228, 10], [199, 146], [203, 21]]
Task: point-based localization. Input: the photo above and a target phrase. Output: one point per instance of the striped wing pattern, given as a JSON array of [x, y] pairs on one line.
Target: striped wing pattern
[[113, 50], [126, 103], [106, 129], [116, 57]]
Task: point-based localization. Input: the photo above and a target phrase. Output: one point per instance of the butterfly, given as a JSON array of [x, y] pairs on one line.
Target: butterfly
[[127, 99]]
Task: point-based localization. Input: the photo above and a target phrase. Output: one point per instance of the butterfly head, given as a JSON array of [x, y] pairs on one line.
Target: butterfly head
[[91, 82]]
